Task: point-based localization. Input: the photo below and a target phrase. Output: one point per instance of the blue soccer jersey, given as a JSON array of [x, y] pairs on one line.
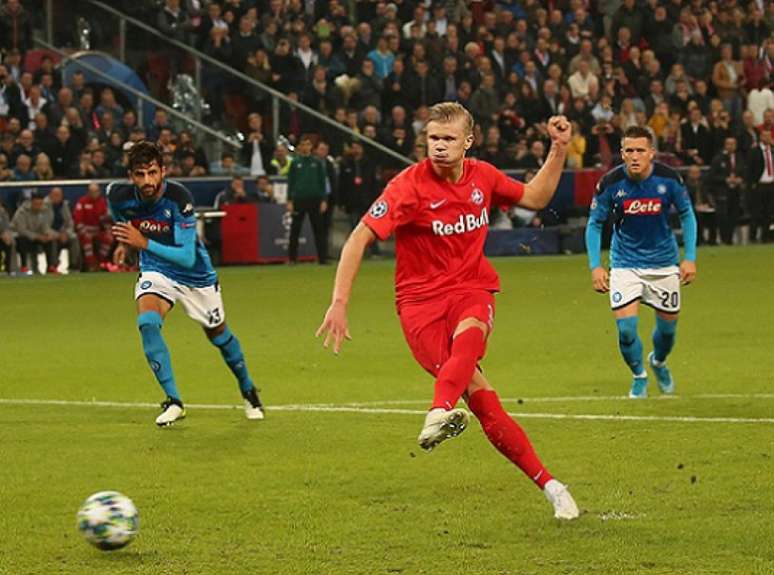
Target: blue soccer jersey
[[642, 237], [169, 224]]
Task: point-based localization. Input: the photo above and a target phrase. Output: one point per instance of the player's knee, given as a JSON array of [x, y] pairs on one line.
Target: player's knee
[[627, 330], [149, 320]]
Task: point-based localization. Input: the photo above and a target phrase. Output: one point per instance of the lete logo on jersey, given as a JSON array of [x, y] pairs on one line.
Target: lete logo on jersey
[[643, 207]]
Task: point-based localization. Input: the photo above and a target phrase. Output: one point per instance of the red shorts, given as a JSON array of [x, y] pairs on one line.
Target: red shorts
[[429, 326]]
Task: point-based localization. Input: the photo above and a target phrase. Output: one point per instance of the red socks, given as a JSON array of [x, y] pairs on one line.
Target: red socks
[[455, 375], [506, 435]]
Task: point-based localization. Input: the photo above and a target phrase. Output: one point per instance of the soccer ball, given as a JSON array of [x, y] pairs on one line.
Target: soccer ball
[[108, 520]]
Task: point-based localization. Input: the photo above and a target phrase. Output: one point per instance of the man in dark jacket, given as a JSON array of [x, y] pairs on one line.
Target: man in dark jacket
[[760, 179], [727, 184], [307, 195], [358, 185]]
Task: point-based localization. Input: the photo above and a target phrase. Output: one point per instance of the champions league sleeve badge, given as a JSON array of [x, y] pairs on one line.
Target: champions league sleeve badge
[[379, 209]]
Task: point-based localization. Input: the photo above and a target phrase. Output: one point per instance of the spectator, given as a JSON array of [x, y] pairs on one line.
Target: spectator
[[264, 189], [760, 180], [218, 47], [748, 135], [64, 153], [759, 100], [32, 225], [108, 104], [92, 226], [728, 76], [583, 84], [42, 168], [228, 166], [485, 102], [15, 27], [64, 227], [307, 195], [727, 183], [235, 193], [280, 163], [696, 140], [703, 205], [358, 183], [7, 242], [23, 170]]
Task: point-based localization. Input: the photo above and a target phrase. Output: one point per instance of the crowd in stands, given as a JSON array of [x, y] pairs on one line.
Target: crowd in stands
[[697, 73]]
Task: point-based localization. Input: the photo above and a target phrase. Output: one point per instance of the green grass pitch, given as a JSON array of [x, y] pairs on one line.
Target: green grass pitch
[[667, 486]]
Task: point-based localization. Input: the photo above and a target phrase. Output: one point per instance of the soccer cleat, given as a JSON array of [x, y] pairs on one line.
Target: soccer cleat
[[172, 411], [253, 405], [559, 496], [663, 376], [639, 388], [441, 425]]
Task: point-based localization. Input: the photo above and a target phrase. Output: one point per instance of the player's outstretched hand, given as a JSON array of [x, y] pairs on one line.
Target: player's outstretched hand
[[560, 130], [687, 271], [127, 234], [600, 279], [334, 327]]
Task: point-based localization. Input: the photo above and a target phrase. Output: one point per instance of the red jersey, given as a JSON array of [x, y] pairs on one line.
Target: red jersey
[[90, 212], [440, 228]]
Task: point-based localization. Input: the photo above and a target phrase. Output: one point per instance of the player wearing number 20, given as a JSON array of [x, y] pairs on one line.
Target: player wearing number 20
[[643, 254], [156, 216]]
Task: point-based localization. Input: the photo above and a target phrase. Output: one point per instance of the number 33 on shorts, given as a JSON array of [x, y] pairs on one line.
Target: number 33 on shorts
[[202, 304]]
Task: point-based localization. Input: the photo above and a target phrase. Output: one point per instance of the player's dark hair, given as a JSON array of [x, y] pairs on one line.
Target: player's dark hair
[[144, 153], [638, 132]]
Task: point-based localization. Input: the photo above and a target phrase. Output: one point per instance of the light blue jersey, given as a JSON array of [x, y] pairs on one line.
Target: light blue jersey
[[642, 237], [169, 223]]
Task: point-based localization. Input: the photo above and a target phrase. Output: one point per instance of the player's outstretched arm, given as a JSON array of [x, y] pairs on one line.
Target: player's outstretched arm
[[539, 191], [334, 325]]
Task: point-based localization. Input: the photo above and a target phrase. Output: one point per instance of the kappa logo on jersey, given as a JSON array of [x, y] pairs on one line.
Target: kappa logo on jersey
[[477, 197], [643, 207], [154, 227], [167, 214], [620, 194], [465, 223], [661, 189], [379, 209]]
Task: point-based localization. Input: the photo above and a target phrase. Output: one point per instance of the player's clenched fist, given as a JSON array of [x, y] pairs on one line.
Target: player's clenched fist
[[600, 279], [559, 129], [334, 326]]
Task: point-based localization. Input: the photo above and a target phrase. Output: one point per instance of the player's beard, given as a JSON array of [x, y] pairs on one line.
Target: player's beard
[[149, 192]]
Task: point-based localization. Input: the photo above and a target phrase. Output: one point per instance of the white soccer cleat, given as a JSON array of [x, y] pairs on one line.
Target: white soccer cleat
[[253, 412], [441, 425], [559, 496], [172, 411], [253, 405]]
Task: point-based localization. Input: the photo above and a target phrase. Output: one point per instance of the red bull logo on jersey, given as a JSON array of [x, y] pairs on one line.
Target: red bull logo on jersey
[[465, 223], [643, 207]]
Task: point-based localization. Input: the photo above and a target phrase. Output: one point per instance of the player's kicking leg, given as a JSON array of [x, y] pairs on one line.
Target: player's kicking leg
[[228, 344], [151, 311], [629, 343], [444, 421], [663, 342], [509, 438]]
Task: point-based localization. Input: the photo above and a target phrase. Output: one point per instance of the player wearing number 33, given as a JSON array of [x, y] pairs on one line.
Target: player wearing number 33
[[643, 254], [156, 216]]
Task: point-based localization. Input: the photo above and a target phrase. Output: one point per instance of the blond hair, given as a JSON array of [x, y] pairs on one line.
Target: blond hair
[[446, 112]]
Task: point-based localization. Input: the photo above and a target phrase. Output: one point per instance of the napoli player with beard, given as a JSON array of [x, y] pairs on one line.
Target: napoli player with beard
[[156, 216], [643, 254], [438, 210]]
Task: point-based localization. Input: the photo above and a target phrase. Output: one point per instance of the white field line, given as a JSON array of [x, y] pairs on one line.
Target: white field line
[[326, 408], [571, 398]]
